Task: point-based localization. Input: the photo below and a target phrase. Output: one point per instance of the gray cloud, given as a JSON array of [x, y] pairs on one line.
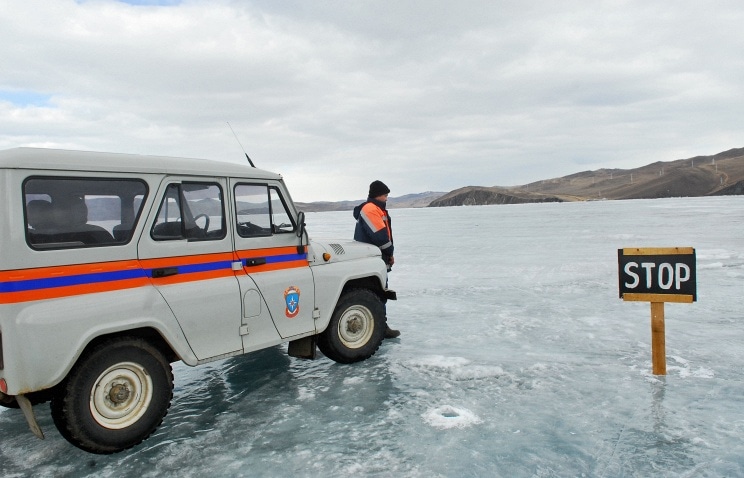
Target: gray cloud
[[424, 95]]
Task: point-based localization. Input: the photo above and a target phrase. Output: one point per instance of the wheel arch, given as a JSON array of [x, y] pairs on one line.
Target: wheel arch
[[148, 334], [370, 282], [328, 299]]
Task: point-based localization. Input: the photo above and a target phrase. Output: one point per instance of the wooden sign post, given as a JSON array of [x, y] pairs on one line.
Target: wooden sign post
[[658, 338], [657, 275]]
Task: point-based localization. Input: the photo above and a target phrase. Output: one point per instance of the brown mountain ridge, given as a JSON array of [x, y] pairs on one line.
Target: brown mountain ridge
[[719, 174]]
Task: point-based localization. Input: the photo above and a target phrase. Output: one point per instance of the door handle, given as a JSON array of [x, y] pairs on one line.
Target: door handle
[[256, 261], [164, 272]]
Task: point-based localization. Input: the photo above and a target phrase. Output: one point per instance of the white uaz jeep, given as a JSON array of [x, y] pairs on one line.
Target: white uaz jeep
[[114, 266]]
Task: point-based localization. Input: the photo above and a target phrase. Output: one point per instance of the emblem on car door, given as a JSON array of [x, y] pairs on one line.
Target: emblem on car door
[[292, 299]]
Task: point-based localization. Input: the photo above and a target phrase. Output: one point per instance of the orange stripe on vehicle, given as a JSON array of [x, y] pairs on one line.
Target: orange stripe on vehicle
[[193, 277], [62, 281], [275, 267], [272, 259], [68, 291], [58, 271], [271, 251], [185, 260]]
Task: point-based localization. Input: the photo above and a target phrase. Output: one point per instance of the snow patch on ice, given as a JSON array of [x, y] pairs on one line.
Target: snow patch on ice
[[675, 365], [457, 368], [707, 254], [353, 380], [440, 361], [447, 416], [304, 393], [685, 369], [623, 236]]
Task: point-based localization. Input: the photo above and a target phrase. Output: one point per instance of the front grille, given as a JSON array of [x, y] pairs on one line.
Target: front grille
[[338, 248]]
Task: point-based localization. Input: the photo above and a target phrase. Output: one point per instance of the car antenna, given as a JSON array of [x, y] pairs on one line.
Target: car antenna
[[241, 145]]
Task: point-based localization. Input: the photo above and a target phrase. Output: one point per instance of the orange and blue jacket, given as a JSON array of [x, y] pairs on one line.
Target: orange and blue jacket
[[374, 227]]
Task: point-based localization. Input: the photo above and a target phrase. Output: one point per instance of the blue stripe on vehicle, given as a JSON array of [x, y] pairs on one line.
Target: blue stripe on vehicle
[[80, 279], [98, 277], [285, 258], [203, 267]]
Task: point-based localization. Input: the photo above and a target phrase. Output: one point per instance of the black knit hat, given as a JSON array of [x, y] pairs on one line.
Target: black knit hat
[[378, 188]]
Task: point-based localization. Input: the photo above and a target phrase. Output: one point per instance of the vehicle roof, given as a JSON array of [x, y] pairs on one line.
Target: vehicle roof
[[90, 161]]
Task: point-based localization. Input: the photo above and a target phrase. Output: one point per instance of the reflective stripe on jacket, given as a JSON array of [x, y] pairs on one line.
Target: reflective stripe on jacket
[[374, 226]]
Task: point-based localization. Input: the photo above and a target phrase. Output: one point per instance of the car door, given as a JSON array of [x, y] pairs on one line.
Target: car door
[[274, 264], [187, 252]]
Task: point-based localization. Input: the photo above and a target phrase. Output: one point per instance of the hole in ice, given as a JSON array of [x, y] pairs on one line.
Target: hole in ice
[[450, 417]]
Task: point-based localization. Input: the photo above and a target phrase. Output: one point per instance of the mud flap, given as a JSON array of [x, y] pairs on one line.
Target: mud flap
[[28, 412], [303, 348], [391, 294]]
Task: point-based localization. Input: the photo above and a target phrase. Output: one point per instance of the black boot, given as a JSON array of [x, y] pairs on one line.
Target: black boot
[[391, 333]]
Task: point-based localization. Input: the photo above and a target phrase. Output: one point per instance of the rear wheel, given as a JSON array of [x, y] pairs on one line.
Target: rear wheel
[[115, 396], [356, 329]]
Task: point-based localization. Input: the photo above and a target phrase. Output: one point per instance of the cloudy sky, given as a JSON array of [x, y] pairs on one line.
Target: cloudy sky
[[424, 95]]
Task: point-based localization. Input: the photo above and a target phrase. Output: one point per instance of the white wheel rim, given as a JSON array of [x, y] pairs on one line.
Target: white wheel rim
[[121, 395], [356, 326]]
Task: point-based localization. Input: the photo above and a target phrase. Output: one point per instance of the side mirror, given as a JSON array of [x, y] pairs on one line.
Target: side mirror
[[300, 223]]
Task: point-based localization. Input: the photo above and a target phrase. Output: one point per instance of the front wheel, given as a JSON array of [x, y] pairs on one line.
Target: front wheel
[[356, 329], [116, 396]]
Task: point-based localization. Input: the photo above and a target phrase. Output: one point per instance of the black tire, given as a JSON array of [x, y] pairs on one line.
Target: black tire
[[356, 329], [114, 397]]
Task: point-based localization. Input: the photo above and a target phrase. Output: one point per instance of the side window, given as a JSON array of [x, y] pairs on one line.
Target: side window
[[192, 211], [81, 212], [261, 211], [280, 217], [252, 207]]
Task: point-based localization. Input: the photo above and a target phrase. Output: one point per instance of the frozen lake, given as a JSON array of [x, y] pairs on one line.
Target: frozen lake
[[517, 358]]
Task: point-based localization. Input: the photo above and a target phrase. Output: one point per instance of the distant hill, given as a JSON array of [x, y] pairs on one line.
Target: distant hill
[[482, 196], [413, 200], [323, 206], [719, 174], [407, 201]]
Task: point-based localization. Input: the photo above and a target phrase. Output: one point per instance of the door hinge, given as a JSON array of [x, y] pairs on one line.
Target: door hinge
[[243, 330], [316, 313]]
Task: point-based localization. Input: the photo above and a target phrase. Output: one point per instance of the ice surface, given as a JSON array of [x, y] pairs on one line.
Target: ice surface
[[517, 358]]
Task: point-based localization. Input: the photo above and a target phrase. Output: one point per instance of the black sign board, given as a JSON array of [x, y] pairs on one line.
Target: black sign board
[[665, 274]]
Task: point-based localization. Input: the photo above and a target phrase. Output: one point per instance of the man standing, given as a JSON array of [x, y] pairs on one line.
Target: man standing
[[373, 227]]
